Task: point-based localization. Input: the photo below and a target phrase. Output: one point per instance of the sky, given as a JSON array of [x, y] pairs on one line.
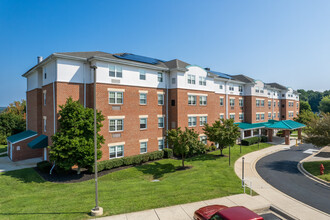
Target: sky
[[275, 41]]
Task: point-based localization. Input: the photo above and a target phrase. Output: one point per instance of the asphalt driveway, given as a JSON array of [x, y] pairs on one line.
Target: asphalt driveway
[[280, 170]]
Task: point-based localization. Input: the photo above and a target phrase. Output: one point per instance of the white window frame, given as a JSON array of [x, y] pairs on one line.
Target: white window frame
[[241, 116], [221, 101], [232, 116], [202, 120], [232, 104], [257, 117], [191, 79], [192, 100], [192, 121], [116, 124], [142, 75], [262, 103], [141, 93], [116, 151], [146, 147], [146, 123], [162, 99], [45, 97], [160, 77], [262, 116], [203, 139], [45, 123], [163, 144], [203, 100], [241, 102], [202, 81], [231, 88], [240, 88], [163, 120], [116, 98], [118, 74]]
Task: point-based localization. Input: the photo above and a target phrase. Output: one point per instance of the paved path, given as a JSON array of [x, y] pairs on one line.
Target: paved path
[[186, 211], [7, 165], [284, 202], [280, 170]]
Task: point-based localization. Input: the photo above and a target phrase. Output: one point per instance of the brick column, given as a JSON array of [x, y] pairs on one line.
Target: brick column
[[270, 135], [299, 133], [287, 137]]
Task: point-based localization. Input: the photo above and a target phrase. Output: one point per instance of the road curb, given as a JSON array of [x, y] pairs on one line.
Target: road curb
[[282, 213]]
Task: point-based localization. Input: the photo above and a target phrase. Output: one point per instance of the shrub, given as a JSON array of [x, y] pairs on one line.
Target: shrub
[[264, 139], [168, 153], [44, 166], [213, 147], [207, 148], [196, 150], [250, 141]]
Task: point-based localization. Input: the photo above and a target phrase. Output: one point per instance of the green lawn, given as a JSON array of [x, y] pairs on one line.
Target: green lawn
[[314, 168], [25, 195], [3, 148]]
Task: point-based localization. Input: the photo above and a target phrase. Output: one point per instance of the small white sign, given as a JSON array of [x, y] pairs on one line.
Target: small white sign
[[18, 148]]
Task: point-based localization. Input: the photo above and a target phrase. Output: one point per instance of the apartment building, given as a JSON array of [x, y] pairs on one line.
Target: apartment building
[[141, 98]]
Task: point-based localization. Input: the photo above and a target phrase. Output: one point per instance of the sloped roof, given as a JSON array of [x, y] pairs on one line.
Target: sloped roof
[[242, 78], [21, 136], [176, 64], [276, 85], [39, 142], [287, 125]]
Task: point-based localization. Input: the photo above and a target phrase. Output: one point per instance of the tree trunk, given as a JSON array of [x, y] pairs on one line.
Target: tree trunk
[[78, 171], [182, 161], [221, 152]]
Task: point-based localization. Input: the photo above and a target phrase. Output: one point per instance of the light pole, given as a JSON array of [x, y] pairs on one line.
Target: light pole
[[240, 145], [243, 171], [229, 155], [97, 211]]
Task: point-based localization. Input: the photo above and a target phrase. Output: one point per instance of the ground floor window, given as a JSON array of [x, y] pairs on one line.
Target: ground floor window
[[143, 147], [116, 151], [203, 139]]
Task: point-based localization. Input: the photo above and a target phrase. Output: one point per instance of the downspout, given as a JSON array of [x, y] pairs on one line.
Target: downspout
[[84, 85], [226, 92], [166, 83], [273, 106]]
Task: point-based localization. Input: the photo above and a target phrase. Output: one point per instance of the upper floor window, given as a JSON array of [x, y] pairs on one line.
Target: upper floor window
[[191, 79], [160, 99], [202, 81], [262, 103], [232, 102], [257, 116], [192, 99], [261, 90], [161, 144], [143, 98], [257, 103], [115, 97], [262, 116], [269, 115], [45, 123], [297, 105], [222, 116], [160, 77], [283, 95], [45, 75], [143, 123], [142, 75], [240, 88], [115, 71], [221, 101], [232, 116], [173, 80], [241, 102], [116, 151], [278, 103], [161, 122], [241, 116], [116, 124], [231, 88], [202, 120], [203, 100], [192, 121], [257, 89], [269, 103], [45, 95], [274, 103], [274, 115], [220, 86]]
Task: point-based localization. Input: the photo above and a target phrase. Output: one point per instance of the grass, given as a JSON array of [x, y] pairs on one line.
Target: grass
[[3, 148], [25, 195], [314, 168]]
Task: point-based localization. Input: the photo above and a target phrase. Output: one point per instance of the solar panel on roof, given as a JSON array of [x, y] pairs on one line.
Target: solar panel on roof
[[138, 58], [223, 75]]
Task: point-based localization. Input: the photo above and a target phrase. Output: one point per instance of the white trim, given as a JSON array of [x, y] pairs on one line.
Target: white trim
[[221, 114], [143, 116], [160, 138], [115, 90], [202, 135], [196, 115], [143, 91], [161, 93], [260, 112], [158, 116], [197, 94], [116, 117], [23, 139], [116, 144], [221, 96], [44, 117], [231, 113], [143, 140]]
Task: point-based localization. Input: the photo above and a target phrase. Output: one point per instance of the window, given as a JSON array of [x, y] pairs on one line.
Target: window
[[115, 97], [241, 116], [261, 90], [297, 105], [269, 115], [161, 122], [221, 116], [262, 103], [143, 98], [160, 99], [191, 79], [241, 103], [160, 77], [192, 121], [221, 101], [203, 139], [278, 103], [45, 123], [192, 99], [115, 71], [278, 115], [143, 147], [258, 117], [202, 81], [142, 75], [143, 123], [232, 116], [173, 80], [269, 103], [257, 89], [232, 102], [274, 103], [231, 88], [161, 144], [258, 103], [116, 125], [220, 86], [202, 120], [263, 116], [45, 75], [45, 92], [203, 100], [116, 151], [283, 95], [240, 88]]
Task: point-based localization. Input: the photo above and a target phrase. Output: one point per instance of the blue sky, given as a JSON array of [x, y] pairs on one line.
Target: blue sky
[[275, 41]]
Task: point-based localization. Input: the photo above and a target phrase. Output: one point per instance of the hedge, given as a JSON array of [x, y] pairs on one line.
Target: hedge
[[168, 153], [253, 140], [44, 166], [126, 161]]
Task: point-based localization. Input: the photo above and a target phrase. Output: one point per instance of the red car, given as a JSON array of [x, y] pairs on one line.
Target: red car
[[221, 212]]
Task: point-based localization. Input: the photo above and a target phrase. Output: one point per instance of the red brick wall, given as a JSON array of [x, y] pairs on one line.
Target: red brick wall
[[34, 100], [25, 152], [236, 109]]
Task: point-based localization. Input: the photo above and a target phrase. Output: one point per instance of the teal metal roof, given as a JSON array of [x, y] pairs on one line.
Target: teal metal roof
[[39, 142], [287, 125], [249, 126], [21, 136]]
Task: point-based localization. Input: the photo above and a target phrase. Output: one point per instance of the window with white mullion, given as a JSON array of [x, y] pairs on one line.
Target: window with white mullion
[[160, 122], [115, 71], [116, 151], [203, 100], [160, 99], [143, 123], [192, 99], [116, 125], [115, 97]]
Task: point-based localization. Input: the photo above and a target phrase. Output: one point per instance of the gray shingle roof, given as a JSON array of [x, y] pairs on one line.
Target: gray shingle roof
[[276, 85], [242, 78], [176, 64]]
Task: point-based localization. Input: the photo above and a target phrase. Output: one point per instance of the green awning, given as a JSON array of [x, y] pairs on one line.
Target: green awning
[[287, 125], [21, 136], [39, 142]]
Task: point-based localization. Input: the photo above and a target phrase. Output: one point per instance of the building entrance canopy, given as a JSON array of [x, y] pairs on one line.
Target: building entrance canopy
[[271, 124]]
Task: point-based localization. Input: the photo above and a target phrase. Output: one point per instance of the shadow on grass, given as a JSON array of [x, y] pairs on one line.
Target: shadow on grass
[[41, 213], [157, 170], [28, 175], [203, 157]]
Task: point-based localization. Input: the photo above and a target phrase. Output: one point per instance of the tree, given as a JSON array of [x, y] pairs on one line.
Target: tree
[[182, 141], [305, 117], [73, 143], [17, 108], [318, 131], [304, 105], [325, 104], [222, 132]]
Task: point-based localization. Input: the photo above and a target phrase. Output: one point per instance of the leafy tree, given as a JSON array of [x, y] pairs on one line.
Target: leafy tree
[[182, 141], [73, 143], [305, 117], [325, 104], [304, 105], [318, 131], [17, 108], [223, 132]]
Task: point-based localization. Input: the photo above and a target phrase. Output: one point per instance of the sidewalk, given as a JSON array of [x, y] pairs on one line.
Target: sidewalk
[[275, 197], [322, 155], [186, 211], [7, 165]]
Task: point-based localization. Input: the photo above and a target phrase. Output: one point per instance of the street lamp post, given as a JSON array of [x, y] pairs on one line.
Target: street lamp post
[[97, 211], [243, 171], [229, 155]]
